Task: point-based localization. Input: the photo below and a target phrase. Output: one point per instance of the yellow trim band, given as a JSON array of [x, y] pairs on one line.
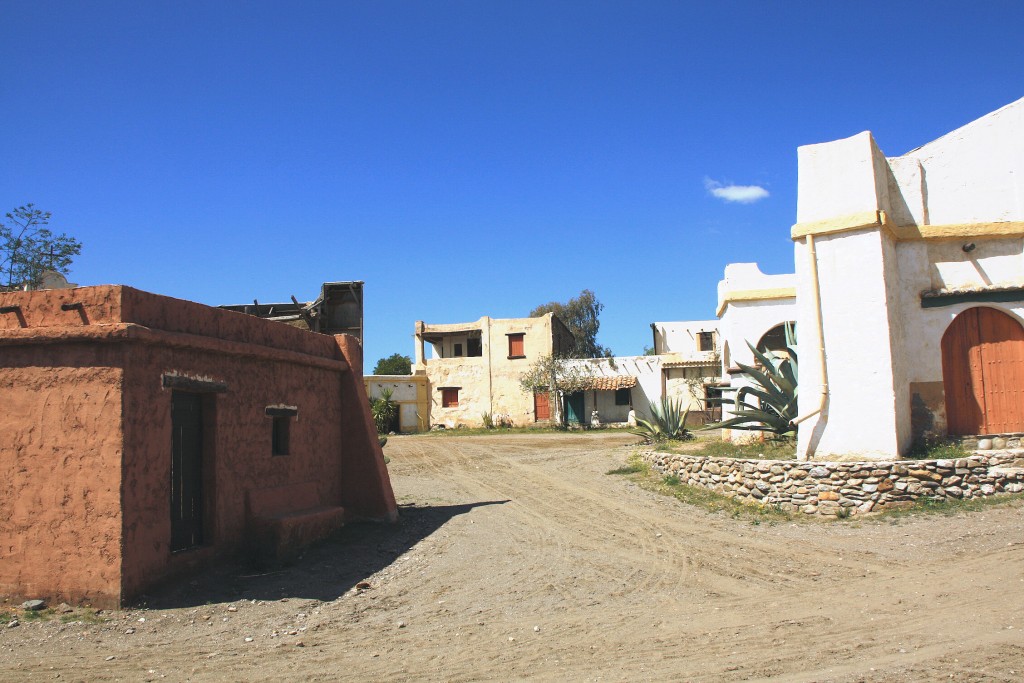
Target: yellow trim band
[[855, 221], [908, 233], [756, 295]]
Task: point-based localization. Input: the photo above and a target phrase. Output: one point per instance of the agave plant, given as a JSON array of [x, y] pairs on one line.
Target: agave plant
[[771, 405], [668, 421], [383, 410]]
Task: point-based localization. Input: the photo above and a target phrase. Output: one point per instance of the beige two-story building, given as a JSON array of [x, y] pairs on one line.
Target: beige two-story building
[[474, 369]]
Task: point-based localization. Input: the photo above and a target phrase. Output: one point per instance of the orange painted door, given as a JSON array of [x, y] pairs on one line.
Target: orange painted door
[[983, 373], [541, 406]]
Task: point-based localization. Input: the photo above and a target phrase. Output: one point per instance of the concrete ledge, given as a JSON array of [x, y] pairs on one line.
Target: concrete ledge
[[284, 519], [280, 538]]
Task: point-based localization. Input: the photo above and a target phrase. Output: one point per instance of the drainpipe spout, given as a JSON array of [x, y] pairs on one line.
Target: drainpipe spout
[[812, 257]]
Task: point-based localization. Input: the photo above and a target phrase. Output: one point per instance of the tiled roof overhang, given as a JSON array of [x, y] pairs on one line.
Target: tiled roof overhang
[[612, 383]]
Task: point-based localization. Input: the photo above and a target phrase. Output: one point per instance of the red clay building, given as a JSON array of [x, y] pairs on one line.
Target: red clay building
[[142, 435]]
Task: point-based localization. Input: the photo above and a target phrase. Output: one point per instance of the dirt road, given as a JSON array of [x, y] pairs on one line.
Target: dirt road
[[519, 558]]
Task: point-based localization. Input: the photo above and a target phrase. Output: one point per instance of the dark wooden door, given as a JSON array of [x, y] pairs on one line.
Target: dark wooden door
[[186, 470], [983, 373], [541, 405]]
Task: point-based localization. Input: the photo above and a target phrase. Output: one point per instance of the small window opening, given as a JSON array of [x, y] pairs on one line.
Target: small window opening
[[280, 435], [280, 428], [450, 397], [705, 341], [622, 397], [516, 346], [457, 352]]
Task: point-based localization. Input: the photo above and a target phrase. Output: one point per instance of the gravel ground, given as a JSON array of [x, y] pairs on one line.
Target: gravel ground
[[517, 557]]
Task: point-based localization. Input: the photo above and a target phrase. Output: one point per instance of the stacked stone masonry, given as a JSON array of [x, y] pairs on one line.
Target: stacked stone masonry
[[825, 488]]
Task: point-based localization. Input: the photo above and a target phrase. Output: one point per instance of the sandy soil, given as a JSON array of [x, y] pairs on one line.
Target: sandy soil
[[520, 558]]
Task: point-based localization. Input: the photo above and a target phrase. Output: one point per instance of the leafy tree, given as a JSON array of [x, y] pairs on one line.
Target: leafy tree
[[395, 364], [28, 248], [558, 377], [580, 315], [649, 351]]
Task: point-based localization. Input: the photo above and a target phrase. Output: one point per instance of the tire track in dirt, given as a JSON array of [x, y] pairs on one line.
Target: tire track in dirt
[[575, 520], [577, 554]]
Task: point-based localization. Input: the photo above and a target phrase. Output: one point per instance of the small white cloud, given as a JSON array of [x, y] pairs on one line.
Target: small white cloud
[[742, 194]]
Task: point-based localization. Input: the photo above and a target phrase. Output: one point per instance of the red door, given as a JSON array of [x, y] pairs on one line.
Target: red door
[[541, 406], [983, 373]]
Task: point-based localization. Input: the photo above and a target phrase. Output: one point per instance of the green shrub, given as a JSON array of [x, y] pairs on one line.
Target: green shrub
[[769, 449], [938, 449]]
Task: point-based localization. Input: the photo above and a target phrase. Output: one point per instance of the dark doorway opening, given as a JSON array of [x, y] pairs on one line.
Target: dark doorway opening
[[186, 470]]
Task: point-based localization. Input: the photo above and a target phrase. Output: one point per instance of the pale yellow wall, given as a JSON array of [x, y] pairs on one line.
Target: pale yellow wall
[[676, 386], [490, 383], [410, 393], [472, 377], [508, 397]]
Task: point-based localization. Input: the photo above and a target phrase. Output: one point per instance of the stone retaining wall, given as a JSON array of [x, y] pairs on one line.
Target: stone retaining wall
[[825, 488]]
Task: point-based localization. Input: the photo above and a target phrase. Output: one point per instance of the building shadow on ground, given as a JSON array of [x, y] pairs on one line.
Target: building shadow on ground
[[324, 572]]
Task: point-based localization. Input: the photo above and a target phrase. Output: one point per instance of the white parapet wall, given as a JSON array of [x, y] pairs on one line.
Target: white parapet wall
[[885, 234]]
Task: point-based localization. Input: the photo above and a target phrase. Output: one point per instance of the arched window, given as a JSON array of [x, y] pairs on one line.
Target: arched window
[[775, 339]]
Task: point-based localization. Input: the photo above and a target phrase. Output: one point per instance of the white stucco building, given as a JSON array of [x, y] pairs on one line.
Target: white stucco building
[[617, 385], [753, 308], [689, 353], [910, 289]]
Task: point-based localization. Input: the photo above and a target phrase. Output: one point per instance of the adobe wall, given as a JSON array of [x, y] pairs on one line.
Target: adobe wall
[[122, 343], [238, 449], [333, 446], [974, 173], [944, 265], [60, 534]]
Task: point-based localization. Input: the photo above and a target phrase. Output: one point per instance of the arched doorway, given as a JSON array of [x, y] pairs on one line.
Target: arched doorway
[[983, 373], [775, 339]]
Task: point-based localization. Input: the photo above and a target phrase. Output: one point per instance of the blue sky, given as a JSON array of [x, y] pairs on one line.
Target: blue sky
[[465, 158]]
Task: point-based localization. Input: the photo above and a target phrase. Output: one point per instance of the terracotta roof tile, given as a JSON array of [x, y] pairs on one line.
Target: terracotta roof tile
[[612, 383], [690, 364]]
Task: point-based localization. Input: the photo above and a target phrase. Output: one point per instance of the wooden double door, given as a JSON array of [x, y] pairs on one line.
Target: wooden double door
[[983, 373]]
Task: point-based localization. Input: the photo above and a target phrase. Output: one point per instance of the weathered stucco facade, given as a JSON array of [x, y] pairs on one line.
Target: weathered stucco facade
[[476, 367], [897, 261], [104, 498]]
